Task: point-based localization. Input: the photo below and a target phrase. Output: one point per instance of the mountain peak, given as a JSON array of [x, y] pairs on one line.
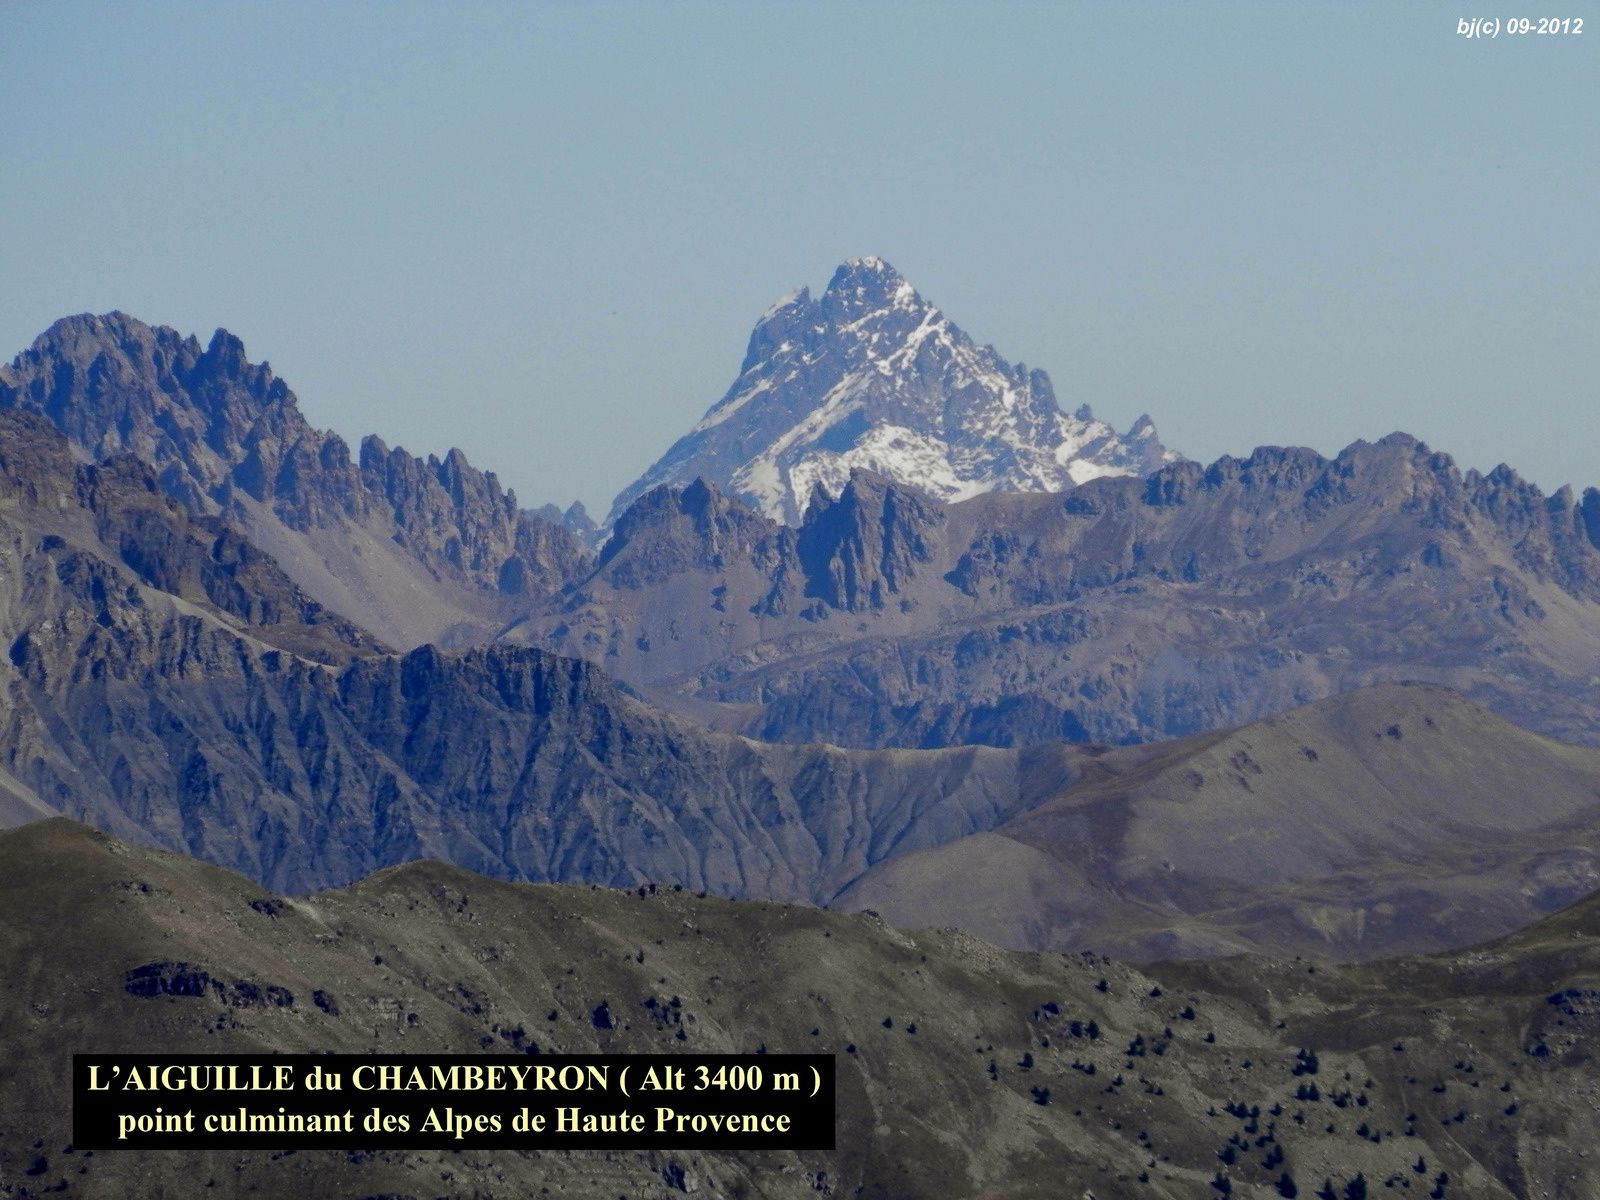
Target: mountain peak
[[869, 271], [869, 262], [81, 332], [862, 285], [871, 375], [417, 548]]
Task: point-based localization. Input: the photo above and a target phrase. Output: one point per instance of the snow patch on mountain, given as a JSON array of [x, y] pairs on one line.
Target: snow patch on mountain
[[870, 375]]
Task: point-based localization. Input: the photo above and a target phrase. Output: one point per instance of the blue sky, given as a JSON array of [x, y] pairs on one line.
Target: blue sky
[[542, 232]]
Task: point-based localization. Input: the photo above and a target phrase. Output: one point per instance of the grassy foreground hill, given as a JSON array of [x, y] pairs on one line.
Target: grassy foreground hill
[[964, 1070]]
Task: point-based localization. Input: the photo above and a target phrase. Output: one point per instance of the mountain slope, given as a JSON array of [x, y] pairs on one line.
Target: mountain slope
[[1358, 826], [80, 541], [1125, 610], [414, 550], [963, 1070], [166, 680], [870, 375]]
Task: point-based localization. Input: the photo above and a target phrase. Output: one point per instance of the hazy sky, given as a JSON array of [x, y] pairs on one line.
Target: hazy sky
[[542, 232]]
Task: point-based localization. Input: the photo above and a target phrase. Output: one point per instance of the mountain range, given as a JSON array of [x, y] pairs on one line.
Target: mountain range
[[1387, 820], [228, 637], [887, 633], [168, 682], [963, 1070], [416, 550], [1125, 610]]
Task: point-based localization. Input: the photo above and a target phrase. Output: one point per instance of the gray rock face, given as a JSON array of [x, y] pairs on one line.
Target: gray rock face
[[521, 764], [870, 375], [1125, 610], [110, 535], [574, 518], [166, 680], [413, 549]]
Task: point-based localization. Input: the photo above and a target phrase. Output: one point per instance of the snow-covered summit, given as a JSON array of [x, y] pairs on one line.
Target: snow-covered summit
[[871, 375]]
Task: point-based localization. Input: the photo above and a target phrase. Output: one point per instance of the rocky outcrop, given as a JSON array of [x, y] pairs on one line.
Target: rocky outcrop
[[413, 549], [90, 520], [574, 518], [671, 531], [1124, 610], [862, 549], [165, 679]]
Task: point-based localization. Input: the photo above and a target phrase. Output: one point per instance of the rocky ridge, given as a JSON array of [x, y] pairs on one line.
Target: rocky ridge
[[963, 1070], [1124, 610], [413, 549], [167, 681]]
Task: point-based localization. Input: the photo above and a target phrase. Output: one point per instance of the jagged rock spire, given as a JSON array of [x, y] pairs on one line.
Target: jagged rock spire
[[870, 375]]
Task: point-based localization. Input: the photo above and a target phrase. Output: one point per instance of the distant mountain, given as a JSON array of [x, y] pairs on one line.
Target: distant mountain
[[1126, 610], [870, 375], [167, 681], [574, 518], [962, 1070], [105, 535], [413, 549]]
